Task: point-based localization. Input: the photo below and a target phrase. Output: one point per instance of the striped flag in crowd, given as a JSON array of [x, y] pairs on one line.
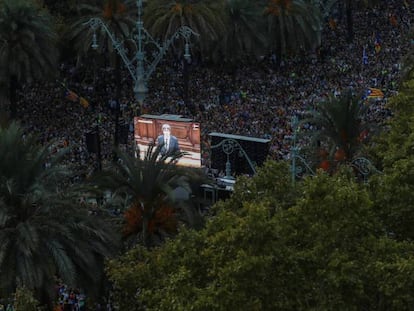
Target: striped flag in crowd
[[374, 93], [70, 95], [73, 97]]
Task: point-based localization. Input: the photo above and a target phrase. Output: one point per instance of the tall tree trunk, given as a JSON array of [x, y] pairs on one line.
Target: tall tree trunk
[[117, 106], [349, 20]]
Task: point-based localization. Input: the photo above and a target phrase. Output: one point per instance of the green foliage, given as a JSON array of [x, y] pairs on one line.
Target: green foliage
[[28, 41], [164, 17], [271, 186], [44, 232], [244, 35], [293, 26], [24, 300], [393, 190], [392, 194], [327, 250], [339, 123], [330, 232], [27, 47], [147, 186], [229, 30], [118, 17], [397, 143]]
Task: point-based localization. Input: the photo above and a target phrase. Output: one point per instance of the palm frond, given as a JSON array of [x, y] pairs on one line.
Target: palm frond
[[43, 230], [120, 23], [148, 184], [337, 123]]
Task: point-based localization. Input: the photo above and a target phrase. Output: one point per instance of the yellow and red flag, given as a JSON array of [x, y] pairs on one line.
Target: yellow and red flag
[[83, 102]]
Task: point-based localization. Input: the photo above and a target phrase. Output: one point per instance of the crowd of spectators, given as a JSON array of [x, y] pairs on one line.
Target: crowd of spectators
[[69, 299], [257, 99]]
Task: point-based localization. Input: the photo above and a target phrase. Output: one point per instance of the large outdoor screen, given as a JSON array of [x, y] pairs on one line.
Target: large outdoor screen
[[171, 132]]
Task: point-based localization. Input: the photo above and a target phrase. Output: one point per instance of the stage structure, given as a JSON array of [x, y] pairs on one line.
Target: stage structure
[[148, 127], [235, 154]]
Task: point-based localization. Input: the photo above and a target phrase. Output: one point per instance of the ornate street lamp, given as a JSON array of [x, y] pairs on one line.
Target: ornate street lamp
[[140, 67], [303, 166]]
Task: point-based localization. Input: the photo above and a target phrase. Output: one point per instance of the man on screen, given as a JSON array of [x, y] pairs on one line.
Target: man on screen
[[168, 143]]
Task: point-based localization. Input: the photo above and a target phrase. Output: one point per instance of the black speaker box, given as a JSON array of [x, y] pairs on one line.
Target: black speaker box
[[92, 141], [123, 131], [256, 149]]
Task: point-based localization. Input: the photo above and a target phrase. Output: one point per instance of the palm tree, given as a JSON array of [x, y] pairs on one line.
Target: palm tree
[[27, 46], [164, 17], [348, 6], [152, 211], [244, 31], [325, 6], [118, 18], [293, 25], [44, 232], [339, 125]]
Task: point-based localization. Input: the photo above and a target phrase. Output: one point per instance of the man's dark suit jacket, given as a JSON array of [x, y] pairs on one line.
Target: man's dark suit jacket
[[172, 146]]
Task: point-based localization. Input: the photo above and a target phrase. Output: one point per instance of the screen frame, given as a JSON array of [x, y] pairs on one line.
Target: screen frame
[[147, 128]]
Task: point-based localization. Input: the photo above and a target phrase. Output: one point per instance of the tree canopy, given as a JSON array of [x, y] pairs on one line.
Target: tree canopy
[[147, 186], [326, 249], [45, 233], [28, 46], [394, 151]]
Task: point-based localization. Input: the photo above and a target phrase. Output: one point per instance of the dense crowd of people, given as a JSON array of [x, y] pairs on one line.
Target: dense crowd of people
[[69, 299], [258, 99]]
